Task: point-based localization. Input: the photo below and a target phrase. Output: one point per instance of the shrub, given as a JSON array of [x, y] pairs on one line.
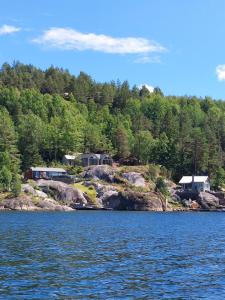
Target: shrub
[[152, 172], [161, 186]]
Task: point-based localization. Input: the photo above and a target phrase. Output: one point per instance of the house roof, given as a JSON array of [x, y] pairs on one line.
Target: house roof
[[45, 169], [70, 157], [188, 179], [95, 155]]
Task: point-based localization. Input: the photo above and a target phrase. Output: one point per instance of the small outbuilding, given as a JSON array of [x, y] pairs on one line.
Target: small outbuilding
[[44, 173], [69, 160], [195, 183]]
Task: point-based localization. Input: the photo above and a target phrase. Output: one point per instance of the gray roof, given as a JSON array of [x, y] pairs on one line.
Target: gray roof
[[45, 169], [86, 155], [95, 155]]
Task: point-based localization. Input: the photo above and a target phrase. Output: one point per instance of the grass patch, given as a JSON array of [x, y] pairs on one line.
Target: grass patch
[[4, 195], [88, 190], [35, 200]]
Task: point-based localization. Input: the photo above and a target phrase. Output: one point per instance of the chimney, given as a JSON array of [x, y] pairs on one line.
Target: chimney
[[192, 182]]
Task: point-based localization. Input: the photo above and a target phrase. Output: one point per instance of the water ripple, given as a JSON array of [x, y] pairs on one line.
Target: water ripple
[[112, 255]]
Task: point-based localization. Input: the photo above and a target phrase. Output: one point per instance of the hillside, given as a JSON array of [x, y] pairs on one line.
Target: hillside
[[45, 114]]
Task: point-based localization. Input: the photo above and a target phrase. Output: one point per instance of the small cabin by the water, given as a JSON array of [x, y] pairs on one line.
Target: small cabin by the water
[[195, 183], [44, 173]]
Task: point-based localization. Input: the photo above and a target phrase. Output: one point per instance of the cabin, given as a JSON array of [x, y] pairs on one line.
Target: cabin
[[195, 183], [44, 173], [87, 159]]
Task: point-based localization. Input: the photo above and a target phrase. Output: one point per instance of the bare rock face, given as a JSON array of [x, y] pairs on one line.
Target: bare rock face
[[52, 205], [103, 191], [62, 192], [28, 189], [129, 200], [20, 203], [102, 172], [25, 202], [135, 179]]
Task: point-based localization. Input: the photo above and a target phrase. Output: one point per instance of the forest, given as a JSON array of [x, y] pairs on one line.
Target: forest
[[45, 114]]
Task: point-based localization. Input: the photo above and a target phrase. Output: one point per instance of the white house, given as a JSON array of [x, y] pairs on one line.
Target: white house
[[195, 183]]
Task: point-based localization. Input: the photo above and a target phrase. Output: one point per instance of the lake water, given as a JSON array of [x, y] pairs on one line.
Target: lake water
[[112, 255]]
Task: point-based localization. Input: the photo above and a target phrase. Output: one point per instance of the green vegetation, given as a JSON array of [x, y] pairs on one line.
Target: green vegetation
[[45, 114], [89, 191], [161, 186]]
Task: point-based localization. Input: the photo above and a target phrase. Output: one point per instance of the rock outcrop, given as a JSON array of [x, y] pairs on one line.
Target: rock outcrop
[[208, 201], [26, 202], [130, 200], [199, 201], [64, 193], [135, 179], [101, 172]]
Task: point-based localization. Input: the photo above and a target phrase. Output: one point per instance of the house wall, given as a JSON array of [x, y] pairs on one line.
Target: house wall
[[197, 186], [201, 186], [68, 162], [38, 174]]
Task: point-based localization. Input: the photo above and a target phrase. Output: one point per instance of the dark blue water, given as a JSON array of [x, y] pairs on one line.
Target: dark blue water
[[112, 255]]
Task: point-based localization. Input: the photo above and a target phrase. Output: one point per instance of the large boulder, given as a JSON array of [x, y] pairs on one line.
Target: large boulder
[[101, 172], [135, 179], [64, 193], [130, 200], [208, 201]]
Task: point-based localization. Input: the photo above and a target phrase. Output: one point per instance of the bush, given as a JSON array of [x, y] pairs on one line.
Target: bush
[[161, 186], [75, 170], [164, 172], [152, 172]]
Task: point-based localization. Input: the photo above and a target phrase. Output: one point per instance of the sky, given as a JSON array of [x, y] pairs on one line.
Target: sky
[[176, 45]]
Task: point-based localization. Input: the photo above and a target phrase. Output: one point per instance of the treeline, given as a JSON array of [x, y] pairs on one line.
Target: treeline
[[45, 114]]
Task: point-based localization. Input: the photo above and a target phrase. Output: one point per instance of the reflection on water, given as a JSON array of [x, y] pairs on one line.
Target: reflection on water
[[112, 255]]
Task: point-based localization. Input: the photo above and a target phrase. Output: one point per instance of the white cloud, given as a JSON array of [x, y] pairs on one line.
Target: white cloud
[[220, 72], [149, 87], [7, 29], [69, 39]]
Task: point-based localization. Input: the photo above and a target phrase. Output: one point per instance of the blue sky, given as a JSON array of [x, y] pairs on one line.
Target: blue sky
[[176, 45]]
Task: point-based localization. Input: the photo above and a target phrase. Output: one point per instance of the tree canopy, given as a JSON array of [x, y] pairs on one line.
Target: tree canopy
[[46, 114]]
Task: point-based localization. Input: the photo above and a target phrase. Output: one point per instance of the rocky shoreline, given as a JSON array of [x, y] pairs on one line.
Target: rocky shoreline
[[106, 188]]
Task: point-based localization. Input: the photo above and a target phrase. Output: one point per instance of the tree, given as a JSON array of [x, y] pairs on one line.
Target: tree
[[199, 151], [219, 178], [143, 146], [31, 133], [5, 178], [16, 185], [121, 142]]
